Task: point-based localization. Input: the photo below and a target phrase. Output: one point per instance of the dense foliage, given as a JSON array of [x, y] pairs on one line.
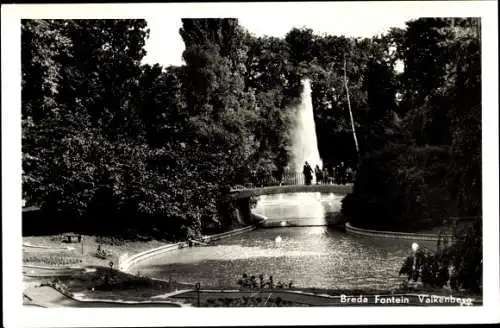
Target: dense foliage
[[429, 168], [114, 146]]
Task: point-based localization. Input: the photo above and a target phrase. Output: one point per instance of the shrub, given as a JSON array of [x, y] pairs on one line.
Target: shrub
[[459, 265], [466, 255]]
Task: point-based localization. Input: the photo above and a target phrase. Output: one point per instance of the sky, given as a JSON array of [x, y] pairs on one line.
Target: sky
[[165, 45]]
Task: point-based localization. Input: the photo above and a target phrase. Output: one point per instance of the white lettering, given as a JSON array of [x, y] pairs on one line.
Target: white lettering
[[438, 299], [353, 299], [392, 300]]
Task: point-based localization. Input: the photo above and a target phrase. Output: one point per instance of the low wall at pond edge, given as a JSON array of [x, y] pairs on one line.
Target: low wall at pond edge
[[392, 234], [126, 262]]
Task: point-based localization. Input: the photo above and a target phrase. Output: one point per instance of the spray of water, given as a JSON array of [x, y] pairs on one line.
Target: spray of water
[[304, 148], [304, 140]]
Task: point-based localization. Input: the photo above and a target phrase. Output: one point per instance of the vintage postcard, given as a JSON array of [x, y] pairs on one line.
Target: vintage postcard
[[335, 160]]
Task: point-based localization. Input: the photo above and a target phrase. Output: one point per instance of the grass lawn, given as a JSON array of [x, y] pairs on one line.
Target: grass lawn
[[117, 247], [106, 283], [47, 258]]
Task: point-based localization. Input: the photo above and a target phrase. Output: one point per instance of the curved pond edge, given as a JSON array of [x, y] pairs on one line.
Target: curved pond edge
[[125, 262], [392, 234]]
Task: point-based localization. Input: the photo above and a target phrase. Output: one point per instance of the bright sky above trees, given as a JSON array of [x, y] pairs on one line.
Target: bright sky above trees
[[165, 45]]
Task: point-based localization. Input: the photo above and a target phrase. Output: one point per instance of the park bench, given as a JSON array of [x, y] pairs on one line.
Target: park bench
[[72, 237]]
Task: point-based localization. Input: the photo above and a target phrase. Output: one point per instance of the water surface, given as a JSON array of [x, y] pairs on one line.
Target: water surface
[[315, 256], [302, 208]]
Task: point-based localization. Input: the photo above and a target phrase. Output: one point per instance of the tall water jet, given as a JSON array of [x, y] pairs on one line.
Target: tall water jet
[[304, 140], [300, 208]]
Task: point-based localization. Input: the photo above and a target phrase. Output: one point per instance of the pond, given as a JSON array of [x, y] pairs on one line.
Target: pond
[[311, 255]]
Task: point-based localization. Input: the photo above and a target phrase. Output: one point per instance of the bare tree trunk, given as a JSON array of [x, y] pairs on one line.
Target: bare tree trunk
[[350, 111]]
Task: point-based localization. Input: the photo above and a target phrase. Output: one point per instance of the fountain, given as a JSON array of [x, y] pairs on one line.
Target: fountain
[[302, 208], [305, 148], [304, 140]]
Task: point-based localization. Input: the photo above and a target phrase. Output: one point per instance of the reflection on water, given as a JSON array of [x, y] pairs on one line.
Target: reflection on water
[[301, 208], [310, 256]]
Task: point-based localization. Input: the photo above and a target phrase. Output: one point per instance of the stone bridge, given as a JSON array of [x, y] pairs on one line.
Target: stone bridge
[[323, 188]]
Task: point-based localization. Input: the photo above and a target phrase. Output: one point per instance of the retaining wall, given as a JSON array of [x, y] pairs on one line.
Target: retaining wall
[[392, 234]]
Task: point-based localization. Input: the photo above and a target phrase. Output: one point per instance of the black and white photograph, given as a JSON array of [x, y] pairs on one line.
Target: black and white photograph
[[251, 155]]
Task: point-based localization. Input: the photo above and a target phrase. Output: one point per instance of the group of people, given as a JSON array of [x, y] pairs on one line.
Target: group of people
[[341, 174], [252, 282], [102, 253]]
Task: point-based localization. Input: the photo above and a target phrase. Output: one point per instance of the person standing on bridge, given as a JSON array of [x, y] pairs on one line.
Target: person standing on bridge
[[325, 175], [317, 172], [336, 173], [349, 174], [342, 173], [308, 173]]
